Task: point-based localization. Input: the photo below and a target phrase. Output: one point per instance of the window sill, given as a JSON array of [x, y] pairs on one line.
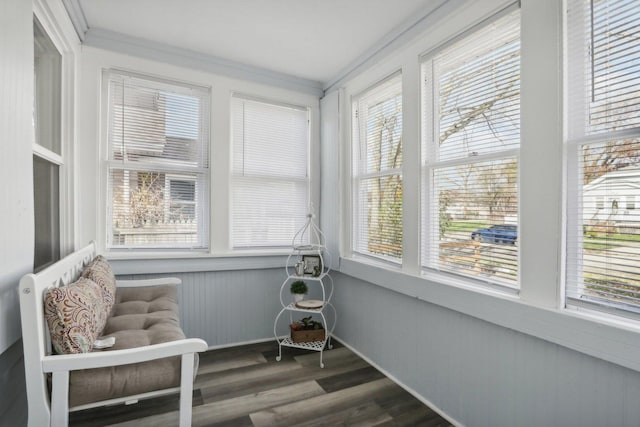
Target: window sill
[[596, 335], [189, 262]]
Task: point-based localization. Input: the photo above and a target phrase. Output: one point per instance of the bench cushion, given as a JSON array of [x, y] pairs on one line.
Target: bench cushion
[[141, 316]]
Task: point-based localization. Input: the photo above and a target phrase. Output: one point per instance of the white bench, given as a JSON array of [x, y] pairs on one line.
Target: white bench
[[41, 365]]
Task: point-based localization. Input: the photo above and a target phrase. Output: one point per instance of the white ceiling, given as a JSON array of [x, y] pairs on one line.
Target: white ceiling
[[310, 39]]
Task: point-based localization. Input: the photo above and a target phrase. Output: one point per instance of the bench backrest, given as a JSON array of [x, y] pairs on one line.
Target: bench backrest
[[35, 332]]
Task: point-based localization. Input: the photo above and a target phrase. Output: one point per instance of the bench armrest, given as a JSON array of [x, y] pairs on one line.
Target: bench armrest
[[148, 282], [101, 359]]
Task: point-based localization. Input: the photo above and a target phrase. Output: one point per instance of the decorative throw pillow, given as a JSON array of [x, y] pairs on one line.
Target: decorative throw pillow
[[100, 272], [72, 315]]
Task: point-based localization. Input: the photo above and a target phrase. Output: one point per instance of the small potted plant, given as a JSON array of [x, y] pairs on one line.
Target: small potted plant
[[307, 330], [299, 289]]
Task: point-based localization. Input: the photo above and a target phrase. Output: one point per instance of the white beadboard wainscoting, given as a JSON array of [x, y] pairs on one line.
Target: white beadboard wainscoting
[[478, 373], [232, 307], [474, 372], [228, 307]]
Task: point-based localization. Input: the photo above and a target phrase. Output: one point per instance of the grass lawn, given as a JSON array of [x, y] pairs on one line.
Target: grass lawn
[[466, 226]]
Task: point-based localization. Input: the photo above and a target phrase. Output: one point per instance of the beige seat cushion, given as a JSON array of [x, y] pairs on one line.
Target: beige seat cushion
[[140, 316]]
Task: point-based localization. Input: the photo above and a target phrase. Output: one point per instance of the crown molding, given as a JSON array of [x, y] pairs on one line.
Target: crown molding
[[76, 14], [105, 39], [143, 48], [401, 35]]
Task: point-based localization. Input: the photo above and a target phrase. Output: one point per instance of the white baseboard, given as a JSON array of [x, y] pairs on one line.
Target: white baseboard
[[241, 343]]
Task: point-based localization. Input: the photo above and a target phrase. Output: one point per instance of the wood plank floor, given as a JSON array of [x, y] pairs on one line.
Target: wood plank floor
[[245, 386]]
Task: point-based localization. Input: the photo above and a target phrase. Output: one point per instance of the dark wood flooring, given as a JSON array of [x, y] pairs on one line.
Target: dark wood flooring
[[245, 386]]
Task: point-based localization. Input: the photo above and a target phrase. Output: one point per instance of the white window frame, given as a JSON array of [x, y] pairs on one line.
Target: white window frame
[[578, 136], [357, 175], [307, 180], [66, 45], [106, 162], [430, 149]]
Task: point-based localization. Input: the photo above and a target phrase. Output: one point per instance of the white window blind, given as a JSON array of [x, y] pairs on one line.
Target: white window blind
[[377, 170], [158, 163], [603, 238], [270, 172], [471, 139]]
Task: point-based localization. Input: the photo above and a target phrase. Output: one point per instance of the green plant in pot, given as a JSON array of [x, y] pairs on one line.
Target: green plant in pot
[[306, 324], [299, 289], [307, 330]]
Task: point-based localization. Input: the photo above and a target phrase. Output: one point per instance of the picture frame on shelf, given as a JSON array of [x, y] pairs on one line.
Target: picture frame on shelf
[[312, 265]]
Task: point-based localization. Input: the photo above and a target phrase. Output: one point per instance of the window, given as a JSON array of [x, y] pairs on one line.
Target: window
[[270, 172], [631, 202], [158, 163], [471, 139], [603, 244], [47, 148], [377, 171], [181, 198]]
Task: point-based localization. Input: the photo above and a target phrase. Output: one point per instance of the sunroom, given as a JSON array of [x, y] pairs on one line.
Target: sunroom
[[470, 167]]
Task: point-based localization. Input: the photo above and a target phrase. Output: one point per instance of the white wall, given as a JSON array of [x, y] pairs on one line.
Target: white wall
[[478, 373], [16, 191], [91, 187], [485, 358], [16, 196], [228, 307], [16, 136]]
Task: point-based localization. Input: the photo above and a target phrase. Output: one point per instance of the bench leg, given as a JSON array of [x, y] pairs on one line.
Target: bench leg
[[60, 399], [186, 389]]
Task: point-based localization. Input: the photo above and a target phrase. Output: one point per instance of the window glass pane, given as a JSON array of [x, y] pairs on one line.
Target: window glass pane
[[615, 65], [158, 138], [47, 89], [478, 92], [269, 139], [609, 258], [151, 123], [270, 181], [46, 200], [475, 231], [267, 212], [144, 214], [381, 148], [380, 216]]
